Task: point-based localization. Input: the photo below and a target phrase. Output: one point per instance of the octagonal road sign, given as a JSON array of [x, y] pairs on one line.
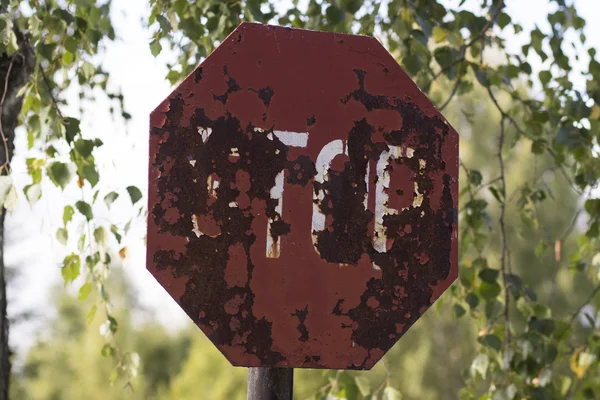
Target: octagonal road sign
[[302, 199]]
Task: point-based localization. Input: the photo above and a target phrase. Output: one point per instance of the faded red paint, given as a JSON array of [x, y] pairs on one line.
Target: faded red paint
[[330, 298]]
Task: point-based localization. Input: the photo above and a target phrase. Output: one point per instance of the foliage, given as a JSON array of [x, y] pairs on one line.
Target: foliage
[[65, 363], [528, 347], [66, 37], [524, 350]]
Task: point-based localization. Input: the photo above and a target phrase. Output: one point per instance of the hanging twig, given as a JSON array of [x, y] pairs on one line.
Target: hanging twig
[[576, 313], [49, 87], [454, 90]]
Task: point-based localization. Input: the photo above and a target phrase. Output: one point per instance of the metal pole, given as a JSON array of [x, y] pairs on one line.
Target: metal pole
[[270, 383]]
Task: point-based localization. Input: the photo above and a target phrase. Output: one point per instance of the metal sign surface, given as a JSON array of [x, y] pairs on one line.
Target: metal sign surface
[[302, 199]]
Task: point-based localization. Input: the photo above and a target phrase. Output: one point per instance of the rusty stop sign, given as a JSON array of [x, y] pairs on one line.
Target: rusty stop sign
[[302, 199]]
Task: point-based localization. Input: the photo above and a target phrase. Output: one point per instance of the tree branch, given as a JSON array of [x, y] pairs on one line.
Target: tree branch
[[504, 254], [456, 85], [576, 313], [49, 87]]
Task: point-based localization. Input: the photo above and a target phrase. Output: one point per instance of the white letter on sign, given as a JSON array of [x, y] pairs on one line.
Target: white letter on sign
[[291, 139], [324, 159], [382, 196]]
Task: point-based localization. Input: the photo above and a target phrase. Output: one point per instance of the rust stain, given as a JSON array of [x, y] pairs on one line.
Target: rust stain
[[302, 199]]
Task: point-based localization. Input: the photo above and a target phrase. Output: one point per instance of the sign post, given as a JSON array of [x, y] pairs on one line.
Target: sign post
[[302, 202], [270, 383]]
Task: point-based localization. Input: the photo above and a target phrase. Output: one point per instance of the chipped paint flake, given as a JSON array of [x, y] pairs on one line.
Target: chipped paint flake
[[196, 229], [204, 133], [276, 193], [418, 199], [292, 139]]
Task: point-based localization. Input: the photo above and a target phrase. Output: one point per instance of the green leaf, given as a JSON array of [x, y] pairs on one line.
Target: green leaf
[[68, 58], [412, 64], [92, 314], [114, 375], [592, 206], [480, 263], [30, 139], [489, 275], [112, 324], [493, 308], [538, 146], [90, 173], [88, 70], [503, 20], [110, 198], [530, 293], [492, 341], [363, 385], [85, 209], [6, 182], [85, 147], [71, 268], [60, 174], [115, 231], [545, 77], [62, 235], [459, 311], [81, 242], [543, 326], [389, 393], [497, 193], [475, 177], [480, 365], [34, 168], [506, 393], [489, 290], [134, 194], [100, 236], [445, 56], [334, 14], [71, 128], [352, 6], [51, 151], [568, 136], [10, 201], [155, 47], [68, 213], [71, 44], [84, 291], [472, 300], [439, 34], [107, 350]]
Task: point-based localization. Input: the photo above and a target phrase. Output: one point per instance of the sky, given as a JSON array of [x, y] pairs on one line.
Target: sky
[[31, 247]]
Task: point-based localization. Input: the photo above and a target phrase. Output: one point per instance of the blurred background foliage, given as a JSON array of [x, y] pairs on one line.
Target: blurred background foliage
[[510, 328]]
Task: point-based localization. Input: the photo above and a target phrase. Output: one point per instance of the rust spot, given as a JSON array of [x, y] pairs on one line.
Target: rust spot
[[232, 86], [198, 74], [265, 94], [301, 314]]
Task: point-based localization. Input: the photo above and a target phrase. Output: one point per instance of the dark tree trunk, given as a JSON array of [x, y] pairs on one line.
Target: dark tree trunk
[[15, 71], [4, 350]]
